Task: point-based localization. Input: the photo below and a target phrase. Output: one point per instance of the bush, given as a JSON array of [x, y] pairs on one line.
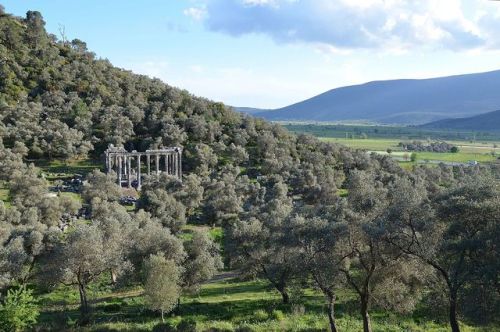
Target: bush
[[245, 328], [164, 327], [220, 326], [186, 325], [278, 315], [260, 315], [298, 309], [19, 310], [111, 307]]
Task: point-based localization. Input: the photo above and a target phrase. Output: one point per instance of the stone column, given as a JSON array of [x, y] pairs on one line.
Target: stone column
[[170, 168], [129, 171], [119, 160], [148, 161], [124, 166], [176, 162], [167, 164], [157, 163], [138, 172], [172, 164], [179, 163]]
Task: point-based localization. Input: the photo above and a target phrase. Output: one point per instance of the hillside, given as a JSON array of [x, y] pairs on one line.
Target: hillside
[[483, 122], [399, 101], [58, 100]]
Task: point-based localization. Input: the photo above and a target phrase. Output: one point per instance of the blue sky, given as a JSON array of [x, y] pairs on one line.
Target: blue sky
[[271, 53]]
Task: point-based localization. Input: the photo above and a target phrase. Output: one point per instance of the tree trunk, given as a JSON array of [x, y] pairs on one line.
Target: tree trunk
[[364, 313], [84, 304], [331, 312], [162, 316], [284, 296], [453, 311], [178, 307], [113, 277]]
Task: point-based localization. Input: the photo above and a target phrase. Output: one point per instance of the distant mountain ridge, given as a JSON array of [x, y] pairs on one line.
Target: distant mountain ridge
[[249, 110], [483, 122], [405, 101]]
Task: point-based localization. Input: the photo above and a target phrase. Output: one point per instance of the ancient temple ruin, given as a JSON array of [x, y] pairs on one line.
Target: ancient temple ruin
[[129, 168]]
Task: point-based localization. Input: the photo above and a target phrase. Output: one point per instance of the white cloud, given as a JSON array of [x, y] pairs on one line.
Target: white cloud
[[196, 13], [362, 24]]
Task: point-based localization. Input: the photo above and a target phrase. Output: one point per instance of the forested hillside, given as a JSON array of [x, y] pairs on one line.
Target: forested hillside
[[294, 211]]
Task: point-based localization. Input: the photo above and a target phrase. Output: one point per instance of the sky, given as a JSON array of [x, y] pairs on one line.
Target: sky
[[272, 53]]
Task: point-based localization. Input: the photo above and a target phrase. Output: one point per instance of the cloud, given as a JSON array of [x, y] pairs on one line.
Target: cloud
[[361, 24], [196, 13]]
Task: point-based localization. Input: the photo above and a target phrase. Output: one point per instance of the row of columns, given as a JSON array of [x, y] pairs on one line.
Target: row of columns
[[121, 162]]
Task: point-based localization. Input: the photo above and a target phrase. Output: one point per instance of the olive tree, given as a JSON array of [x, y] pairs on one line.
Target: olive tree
[[162, 284], [318, 240], [451, 233]]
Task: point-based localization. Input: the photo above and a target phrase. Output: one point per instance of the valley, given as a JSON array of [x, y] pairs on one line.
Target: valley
[[483, 147]]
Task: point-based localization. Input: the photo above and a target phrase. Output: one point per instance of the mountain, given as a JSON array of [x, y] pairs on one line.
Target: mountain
[[483, 122], [249, 110], [399, 101]]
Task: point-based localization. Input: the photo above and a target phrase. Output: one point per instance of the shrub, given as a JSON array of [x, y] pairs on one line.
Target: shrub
[[245, 328], [19, 310], [220, 327], [298, 309], [260, 315], [278, 315], [111, 307], [186, 325], [164, 327]]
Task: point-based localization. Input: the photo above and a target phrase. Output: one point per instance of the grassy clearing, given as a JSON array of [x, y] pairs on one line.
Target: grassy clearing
[[74, 196], [225, 305], [57, 169], [215, 233], [4, 196]]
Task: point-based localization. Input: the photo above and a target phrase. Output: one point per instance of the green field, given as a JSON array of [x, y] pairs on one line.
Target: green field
[[481, 152], [389, 132], [482, 147], [227, 304]]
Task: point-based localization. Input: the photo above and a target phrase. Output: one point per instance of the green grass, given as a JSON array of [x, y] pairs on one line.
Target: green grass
[[373, 131], [74, 196], [58, 169], [4, 194], [479, 151], [215, 233], [226, 304]]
